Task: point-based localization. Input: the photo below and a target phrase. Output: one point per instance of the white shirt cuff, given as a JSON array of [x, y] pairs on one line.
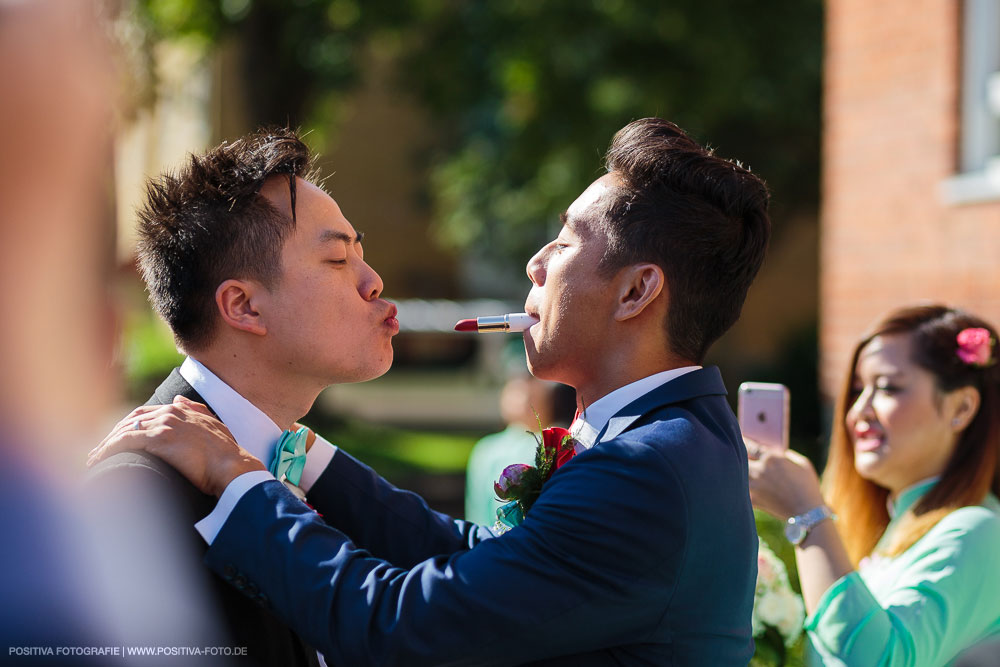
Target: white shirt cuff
[[317, 459], [210, 526]]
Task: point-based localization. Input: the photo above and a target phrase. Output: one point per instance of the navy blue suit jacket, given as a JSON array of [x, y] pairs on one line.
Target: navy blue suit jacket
[[639, 551]]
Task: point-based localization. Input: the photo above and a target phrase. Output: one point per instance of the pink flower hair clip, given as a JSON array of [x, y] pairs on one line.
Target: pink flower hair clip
[[975, 347]]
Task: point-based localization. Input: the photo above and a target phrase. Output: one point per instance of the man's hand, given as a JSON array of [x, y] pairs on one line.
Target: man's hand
[[186, 435]]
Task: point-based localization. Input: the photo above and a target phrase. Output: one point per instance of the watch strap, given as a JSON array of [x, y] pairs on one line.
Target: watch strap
[[798, 527]]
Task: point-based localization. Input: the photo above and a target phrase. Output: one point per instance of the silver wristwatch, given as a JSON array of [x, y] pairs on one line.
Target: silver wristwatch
[[798, 527]]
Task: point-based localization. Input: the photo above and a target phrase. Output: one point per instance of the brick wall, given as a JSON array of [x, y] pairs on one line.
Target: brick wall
[[890, 139]]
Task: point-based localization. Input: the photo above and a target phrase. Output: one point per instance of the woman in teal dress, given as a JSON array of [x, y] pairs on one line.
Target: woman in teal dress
[[899, 552]]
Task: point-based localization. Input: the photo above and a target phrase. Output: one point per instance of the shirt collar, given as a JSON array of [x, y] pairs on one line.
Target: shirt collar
[[253, 430], [909, 496], [587, 426]]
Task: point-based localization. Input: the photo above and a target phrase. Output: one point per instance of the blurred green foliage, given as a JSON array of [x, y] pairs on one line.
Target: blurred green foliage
[[149, 352], [395, 452], [526, 94], [534, 90], [296, 52]]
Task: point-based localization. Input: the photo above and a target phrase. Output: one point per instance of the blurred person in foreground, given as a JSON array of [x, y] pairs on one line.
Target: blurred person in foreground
[[526, 406], [641, 547], [911, 576], [62, 583], [55, 335]]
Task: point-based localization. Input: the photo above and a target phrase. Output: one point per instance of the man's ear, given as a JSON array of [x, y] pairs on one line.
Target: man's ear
[[640, 284], [235, 300]]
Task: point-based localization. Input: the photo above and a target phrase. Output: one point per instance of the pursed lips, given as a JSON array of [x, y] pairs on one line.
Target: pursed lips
[[390, 318]]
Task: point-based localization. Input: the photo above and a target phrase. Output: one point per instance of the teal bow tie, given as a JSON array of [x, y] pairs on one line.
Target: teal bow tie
[[509, 515], [290, 456]]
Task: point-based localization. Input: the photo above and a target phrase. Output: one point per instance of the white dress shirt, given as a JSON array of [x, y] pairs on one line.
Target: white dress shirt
[[255, 432], [589, 424]]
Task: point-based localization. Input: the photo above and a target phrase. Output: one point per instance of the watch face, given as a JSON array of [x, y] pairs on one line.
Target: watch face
[[794, 532]]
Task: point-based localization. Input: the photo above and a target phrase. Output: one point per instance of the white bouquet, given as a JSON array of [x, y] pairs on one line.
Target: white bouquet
[[778, 612]]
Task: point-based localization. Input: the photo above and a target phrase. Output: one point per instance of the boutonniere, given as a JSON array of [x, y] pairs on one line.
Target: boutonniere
[[521, 484]]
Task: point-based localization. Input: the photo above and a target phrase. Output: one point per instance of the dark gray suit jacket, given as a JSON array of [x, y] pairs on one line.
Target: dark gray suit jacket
[[168, 504]]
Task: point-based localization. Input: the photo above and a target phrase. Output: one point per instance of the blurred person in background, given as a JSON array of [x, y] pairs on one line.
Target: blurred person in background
[[526, 405], [56, 329], [907, 574]]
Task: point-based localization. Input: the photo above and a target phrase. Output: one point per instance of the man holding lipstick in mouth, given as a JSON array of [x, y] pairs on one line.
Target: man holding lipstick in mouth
[[639, 550]]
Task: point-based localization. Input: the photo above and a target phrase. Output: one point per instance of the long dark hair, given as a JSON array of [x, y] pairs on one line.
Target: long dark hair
[[969, 474]]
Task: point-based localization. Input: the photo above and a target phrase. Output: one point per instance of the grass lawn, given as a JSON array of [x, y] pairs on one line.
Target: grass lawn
[[396, 452]]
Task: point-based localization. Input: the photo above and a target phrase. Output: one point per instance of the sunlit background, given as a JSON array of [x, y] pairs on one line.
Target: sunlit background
[[453, 134]]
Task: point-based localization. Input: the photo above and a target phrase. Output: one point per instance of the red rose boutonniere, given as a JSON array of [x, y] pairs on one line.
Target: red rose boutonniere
[[521, 484]]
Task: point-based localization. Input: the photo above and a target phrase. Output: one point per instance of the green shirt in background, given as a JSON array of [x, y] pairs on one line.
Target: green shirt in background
[[488, 459], [923, 607]]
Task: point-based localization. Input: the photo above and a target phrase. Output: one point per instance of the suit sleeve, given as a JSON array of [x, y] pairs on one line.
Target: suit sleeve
[[583, 572], [391, 523]]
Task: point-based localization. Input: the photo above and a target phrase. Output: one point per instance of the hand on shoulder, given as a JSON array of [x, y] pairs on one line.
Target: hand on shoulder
[[186, 435]]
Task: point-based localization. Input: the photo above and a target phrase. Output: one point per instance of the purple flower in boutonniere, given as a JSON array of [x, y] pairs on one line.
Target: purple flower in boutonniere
[[521, 484], [511, 482]]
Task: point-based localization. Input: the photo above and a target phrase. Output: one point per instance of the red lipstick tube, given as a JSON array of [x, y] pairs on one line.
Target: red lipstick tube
[[509, 323]]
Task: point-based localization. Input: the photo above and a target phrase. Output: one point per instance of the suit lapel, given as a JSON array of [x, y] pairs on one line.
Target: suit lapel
[[702, 382], [253, 626]]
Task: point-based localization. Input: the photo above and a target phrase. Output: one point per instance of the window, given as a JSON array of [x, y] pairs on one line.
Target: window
[[978, 177]]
